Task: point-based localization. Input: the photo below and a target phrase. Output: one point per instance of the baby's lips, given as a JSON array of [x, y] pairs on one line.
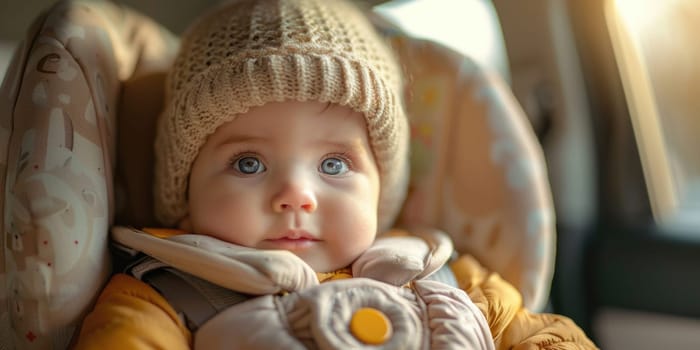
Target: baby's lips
[[295, 235]]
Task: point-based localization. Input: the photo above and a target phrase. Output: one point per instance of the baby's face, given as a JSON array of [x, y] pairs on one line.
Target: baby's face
[[298, 176]]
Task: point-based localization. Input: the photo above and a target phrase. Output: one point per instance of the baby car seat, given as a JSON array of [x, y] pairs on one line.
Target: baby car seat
[[77, 114]]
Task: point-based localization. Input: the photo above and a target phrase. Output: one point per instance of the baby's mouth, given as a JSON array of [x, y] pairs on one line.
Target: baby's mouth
[[292, 240]]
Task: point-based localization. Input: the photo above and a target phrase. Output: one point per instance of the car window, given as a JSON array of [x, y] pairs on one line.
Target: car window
[[656, 50]]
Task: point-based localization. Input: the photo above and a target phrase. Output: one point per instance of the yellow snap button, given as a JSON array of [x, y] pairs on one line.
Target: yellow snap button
[[370, 326]]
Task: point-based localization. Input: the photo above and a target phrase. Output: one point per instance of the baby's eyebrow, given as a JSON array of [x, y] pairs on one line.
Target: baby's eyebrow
[[354, 145], [235, 139]]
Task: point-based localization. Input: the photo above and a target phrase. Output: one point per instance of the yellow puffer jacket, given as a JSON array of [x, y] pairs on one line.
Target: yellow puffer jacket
[[513, 326]]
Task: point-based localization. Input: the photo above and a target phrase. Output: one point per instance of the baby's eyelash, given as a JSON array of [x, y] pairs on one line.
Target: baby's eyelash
[[345, 156], [238, 155]]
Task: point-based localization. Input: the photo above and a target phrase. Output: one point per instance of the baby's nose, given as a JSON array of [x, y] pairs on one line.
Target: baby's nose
[[294, 198]]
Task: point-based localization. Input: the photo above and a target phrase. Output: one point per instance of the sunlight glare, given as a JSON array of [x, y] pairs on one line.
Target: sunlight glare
[[470, 27]]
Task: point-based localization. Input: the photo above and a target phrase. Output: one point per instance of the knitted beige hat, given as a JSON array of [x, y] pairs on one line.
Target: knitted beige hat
[[246, 53]]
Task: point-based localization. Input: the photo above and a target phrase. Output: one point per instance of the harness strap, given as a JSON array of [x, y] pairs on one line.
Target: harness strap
[[184, 298], [194, 299], [197, 300]]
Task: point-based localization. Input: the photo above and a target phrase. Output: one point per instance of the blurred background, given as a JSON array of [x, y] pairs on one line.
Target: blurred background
[[611, 90]]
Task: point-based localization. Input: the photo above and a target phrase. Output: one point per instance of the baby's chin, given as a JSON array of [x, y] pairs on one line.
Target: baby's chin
[[324, 262]]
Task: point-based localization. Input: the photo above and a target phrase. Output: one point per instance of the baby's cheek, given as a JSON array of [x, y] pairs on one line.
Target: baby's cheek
[[360, 231], [221, 216]]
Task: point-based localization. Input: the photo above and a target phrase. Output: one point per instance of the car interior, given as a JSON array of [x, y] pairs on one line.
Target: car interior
[[609, 90]]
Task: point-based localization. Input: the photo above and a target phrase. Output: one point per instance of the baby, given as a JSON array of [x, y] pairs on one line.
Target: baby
[[283, 131]]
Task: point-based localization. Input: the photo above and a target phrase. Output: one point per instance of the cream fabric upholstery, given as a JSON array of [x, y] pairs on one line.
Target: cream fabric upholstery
[[478, 172]]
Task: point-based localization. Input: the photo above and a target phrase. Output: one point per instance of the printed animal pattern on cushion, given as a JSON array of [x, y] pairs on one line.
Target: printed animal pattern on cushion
[[58, 129]]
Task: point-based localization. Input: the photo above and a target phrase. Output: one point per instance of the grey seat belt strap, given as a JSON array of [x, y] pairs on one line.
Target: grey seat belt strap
[[182, 296], [194, 299]]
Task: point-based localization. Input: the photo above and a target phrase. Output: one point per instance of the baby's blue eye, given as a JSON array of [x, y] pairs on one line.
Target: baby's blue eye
[[249, 165], [334, 166]]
